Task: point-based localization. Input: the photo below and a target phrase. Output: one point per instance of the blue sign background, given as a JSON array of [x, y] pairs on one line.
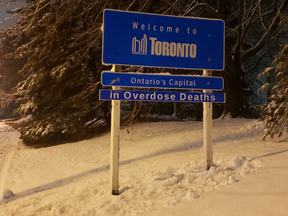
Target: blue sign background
[[161, 96], [206, 34], [161, 81]]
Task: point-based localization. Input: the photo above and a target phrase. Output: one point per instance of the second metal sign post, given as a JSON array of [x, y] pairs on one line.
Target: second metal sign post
[[152, 40]]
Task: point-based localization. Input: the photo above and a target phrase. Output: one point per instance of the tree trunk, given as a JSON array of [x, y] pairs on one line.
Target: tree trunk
[[231, 84], [231, 78], [107, 112], [199, 111], [175, 110], [220, 7]]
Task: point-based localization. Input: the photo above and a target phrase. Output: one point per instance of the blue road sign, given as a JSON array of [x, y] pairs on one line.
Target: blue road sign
[[161, 96], [153, 40], [161, 81]]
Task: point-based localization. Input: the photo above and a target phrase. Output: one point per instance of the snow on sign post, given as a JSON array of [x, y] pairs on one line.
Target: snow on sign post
[[152, 40]]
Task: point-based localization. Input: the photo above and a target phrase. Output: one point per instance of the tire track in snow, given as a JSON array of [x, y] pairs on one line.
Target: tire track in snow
[[8, 148]]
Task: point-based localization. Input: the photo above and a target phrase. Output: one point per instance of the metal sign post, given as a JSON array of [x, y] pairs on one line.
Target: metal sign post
[[153, 40], [115, 139], [207, 128]]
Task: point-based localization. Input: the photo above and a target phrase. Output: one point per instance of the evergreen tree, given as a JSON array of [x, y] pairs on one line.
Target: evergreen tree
[[275, 110], [9, 77], [61, 44], [61, 41]]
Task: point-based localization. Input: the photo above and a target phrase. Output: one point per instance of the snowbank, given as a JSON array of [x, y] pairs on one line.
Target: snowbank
[[160, 166]]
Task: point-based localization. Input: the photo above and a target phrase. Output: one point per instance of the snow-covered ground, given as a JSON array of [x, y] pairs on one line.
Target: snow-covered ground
[[160, 173]]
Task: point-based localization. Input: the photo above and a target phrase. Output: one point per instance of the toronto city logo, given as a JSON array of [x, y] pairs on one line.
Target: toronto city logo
[[162, 48], [139, 46]]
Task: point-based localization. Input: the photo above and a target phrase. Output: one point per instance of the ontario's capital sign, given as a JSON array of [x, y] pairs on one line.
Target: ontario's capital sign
[[152, 40]]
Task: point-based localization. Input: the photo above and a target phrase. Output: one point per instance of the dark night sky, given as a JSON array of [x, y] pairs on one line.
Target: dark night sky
[[4, 15]]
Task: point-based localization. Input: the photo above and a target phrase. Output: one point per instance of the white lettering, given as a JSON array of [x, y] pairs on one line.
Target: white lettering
[[152, 44], [158, 48], [150, 26], [182, 96], [172, 49], [127, 95], [180, 50], [193, 50], [116, 95], [147, 96], [165, 51], [212, 97], [166, 97], [169, 29], [135, 96], [187, 47], [133, 80], [135, 25]]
